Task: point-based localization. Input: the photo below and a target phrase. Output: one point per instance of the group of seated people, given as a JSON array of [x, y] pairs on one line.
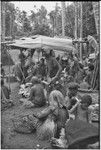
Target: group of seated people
[[60, 108], [51, 66], [50, 69]]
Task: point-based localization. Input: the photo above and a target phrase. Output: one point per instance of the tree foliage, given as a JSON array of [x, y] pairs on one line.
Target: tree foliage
[[40, 22], [9, 18], [89, 27]]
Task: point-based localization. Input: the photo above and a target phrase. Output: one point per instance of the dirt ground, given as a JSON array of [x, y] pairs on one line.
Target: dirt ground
[[11, 139]]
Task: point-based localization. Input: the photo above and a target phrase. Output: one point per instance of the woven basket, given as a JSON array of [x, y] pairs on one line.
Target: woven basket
[[24, 124]]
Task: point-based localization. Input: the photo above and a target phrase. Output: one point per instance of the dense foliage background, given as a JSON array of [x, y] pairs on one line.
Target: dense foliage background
[[44, 23]]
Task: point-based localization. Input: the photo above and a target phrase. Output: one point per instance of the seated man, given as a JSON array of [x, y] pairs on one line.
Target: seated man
[[73, 96], [54, 69], [89, 76], [81, 109], [37, 96]]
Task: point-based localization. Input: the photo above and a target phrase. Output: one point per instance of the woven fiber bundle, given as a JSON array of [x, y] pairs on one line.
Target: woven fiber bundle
[[47, 130]]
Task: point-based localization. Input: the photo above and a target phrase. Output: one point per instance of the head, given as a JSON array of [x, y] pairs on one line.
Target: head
[[73, 89], [90, 60], [91, 67], [42, 60], [52, 53], [48, 53], [56, 98], [35, 80], [86, 101]]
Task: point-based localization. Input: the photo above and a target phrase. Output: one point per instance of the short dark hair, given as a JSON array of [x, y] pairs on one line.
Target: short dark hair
[[86, 99], [73, 86], [42, 59], [35, 80], [91, 67]]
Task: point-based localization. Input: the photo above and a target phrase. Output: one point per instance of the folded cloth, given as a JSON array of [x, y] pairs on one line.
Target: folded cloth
[[94, 146], [80, 133]]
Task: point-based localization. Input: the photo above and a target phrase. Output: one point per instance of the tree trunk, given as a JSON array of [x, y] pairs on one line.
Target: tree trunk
[[3, 21], [63, 18], [96, 15], [81, 18]]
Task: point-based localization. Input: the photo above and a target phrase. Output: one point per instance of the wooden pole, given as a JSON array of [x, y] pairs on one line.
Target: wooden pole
[[9, 69], [75, 20], [81, 17], [53, 26], [56, 11], [76, 23], [10, 25], [63, 18]]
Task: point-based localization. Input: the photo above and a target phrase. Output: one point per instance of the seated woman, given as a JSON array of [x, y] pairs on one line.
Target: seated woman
[[57, 112], [48, 122], [37, 96]]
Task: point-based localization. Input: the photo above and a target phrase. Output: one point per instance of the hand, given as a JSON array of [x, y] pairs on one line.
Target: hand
[[54, 79]]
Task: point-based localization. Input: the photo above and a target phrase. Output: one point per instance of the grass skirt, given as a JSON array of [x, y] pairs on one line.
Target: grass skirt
[[47, 130]]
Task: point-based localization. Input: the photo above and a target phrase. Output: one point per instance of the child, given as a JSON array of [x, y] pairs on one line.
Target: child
[[73, 96], [81, 109]]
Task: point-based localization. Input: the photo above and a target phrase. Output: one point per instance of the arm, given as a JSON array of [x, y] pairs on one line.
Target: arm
[[59, 70], [89, 118], [45, 112], [28, 78], [74, 107], [31, 94]]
